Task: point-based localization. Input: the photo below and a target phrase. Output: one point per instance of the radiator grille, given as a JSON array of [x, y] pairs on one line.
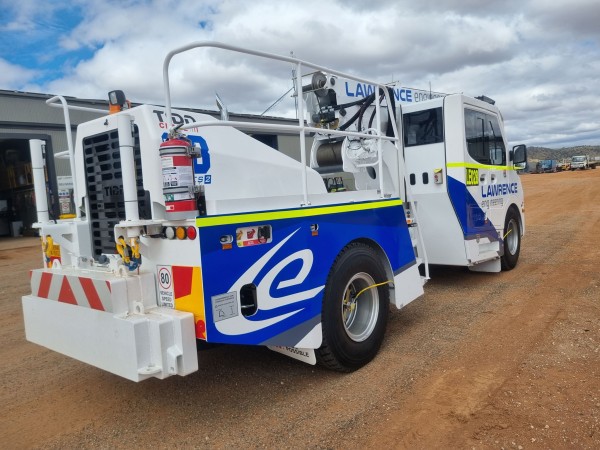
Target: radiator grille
[[104, 181]]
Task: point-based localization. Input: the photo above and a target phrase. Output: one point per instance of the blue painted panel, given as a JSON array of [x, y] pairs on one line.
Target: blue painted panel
[[291, 271]]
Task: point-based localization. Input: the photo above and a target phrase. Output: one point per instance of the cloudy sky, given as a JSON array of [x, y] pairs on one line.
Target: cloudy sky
[[539, 59]]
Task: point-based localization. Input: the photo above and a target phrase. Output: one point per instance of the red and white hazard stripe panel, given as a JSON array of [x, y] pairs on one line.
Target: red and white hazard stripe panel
[[76, 290]]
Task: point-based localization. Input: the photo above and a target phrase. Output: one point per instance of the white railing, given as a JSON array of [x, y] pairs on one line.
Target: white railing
[[301, 128], [66, 107]]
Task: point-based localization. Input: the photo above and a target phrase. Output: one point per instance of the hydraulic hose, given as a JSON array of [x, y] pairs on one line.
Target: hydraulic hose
[[390, 127], [365, 104]]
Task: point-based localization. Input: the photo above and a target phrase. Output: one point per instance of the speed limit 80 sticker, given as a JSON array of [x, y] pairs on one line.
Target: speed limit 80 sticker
[[166, 296]]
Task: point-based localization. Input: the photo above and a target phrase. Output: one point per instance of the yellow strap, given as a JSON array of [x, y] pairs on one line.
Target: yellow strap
[[122, 249], [48, 246], [371, 287], [135, 248]]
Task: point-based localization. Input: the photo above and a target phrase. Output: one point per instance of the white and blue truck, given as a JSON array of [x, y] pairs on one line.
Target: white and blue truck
[[189, 231]]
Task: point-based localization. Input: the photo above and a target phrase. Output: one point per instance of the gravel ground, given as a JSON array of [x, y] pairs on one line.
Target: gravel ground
[[508, 360]]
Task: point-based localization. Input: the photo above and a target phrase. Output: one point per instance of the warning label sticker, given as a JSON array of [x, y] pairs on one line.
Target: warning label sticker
[[224, 306], [248, 236], [177, 176], [166, 296]]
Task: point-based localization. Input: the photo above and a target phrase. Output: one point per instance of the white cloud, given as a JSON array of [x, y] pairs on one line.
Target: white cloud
[[539, 60], [571, 18], [25, 14], [13, 76]]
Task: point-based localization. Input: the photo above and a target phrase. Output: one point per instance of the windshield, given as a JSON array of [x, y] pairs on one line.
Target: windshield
[[578, 158]]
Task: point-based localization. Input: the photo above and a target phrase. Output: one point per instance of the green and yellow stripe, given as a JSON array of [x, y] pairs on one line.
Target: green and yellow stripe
[[478, 166], [308, 211]]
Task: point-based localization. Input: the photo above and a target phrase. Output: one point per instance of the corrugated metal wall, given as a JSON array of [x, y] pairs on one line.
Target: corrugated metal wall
[[58, 139], [25, 116], [28, 114]]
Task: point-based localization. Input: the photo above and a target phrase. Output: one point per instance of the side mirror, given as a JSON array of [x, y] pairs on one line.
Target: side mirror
[[519, 154]]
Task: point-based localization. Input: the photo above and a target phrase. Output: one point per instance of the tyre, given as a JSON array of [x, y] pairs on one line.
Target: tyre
[[512, 240], [355, 310]]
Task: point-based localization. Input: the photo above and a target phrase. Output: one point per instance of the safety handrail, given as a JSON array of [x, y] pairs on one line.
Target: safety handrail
[[66, 107], [52, 102], [278, 127], [62, 155], [407, 188], [301, 127], [220, 45], [300, 104]]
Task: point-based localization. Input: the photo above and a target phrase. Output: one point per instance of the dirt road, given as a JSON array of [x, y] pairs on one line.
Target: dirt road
[[507, 360]]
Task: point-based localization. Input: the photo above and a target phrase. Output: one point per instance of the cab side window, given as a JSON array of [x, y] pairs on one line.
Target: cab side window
[[484, 138], [423, 127], [495, 142]]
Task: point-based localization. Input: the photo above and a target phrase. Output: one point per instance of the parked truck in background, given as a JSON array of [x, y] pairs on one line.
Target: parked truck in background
[[565, 164], [582, 162], [548, 165]]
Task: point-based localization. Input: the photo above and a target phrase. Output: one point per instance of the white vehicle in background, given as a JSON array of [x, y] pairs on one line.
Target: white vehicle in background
[[582, 162], [189, 231]]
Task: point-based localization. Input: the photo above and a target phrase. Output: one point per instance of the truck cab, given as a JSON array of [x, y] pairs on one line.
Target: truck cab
[[464, 181], [581, 162]]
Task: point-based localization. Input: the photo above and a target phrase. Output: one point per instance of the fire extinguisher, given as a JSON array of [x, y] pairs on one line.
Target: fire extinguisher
[[176, 155]]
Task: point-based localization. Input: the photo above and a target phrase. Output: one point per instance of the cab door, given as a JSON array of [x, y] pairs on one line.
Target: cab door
[[486, 172]]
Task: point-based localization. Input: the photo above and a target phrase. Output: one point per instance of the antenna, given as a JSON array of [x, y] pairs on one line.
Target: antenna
[[294, 85], [278, 101], [222, 108]]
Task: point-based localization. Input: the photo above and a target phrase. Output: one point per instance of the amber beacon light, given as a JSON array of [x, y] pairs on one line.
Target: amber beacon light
[[117, 102]]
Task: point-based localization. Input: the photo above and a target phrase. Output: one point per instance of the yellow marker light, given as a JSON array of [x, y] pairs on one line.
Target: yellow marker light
[[180, 233]]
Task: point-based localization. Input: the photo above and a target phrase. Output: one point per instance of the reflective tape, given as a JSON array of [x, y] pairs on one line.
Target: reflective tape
[[72, 289], [295, 213]]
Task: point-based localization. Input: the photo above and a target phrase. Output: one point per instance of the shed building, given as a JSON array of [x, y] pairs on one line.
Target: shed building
[[25, 116]]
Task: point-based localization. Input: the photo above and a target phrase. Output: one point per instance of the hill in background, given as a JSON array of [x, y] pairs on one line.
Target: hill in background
[[539, 153]]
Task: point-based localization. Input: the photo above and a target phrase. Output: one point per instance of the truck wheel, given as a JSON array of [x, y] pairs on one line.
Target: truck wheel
[[355, 310], [512, 240]]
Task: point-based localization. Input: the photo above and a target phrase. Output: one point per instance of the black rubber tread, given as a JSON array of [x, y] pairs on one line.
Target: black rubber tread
[[509, 261], [338, 352]]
